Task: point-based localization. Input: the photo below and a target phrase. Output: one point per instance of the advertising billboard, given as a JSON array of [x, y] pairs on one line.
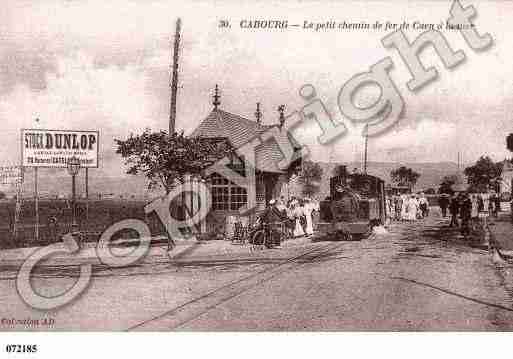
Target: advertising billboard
[[54, 148]]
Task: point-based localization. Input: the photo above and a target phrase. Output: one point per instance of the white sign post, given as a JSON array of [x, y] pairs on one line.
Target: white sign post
[[54, 149]]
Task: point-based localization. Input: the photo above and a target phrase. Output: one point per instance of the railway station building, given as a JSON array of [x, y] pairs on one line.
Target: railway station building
[[270, 181]]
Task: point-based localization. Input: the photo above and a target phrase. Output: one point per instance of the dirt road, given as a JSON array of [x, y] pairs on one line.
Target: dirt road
[[417, 277]]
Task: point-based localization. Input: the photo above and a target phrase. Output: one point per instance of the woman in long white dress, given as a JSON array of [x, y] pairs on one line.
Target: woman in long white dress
[[412, 208], [485, 197], [474, 213], [404, 207], [297, 212], [308, 210], [389, 210], [417, 202]]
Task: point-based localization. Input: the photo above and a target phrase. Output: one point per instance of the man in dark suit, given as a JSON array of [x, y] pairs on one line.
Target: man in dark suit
[[272, 216], [465, 204], [454, 208], [443, 202]]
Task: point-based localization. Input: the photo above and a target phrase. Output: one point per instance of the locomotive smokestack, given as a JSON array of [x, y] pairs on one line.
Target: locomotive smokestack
[[258, 113]]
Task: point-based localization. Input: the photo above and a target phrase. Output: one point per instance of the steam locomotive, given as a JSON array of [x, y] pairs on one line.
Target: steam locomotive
[[354, 218]]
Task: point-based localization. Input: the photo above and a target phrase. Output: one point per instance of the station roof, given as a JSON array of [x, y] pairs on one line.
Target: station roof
[[239, 130]]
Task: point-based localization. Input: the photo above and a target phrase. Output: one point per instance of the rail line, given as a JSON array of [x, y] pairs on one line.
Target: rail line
[[186, 312]]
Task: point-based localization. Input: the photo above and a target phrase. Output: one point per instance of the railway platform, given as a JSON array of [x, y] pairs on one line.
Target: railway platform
[[183, 253]]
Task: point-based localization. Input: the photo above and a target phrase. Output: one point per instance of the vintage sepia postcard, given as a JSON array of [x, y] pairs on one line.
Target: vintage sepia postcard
[[267, 166]]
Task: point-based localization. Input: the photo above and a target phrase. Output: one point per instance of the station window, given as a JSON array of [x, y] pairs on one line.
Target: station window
[[226, 195]]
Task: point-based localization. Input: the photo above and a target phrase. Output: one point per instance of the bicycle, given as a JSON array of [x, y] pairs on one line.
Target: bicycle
[[269, 235]]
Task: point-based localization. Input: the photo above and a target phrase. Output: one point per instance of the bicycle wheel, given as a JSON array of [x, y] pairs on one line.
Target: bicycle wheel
[[258, 238], [275, 238]]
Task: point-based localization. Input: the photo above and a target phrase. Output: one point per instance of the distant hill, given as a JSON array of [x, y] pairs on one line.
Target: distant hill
[[58, 182], [431, 174]]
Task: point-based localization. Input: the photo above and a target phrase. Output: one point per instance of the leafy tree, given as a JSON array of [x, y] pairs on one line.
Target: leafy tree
[[483, 173], [404, 176], [165, 159], [310, 177]]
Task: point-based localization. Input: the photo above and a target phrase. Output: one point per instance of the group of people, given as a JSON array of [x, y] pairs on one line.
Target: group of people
[[296, 215], [465, 207], [407, 207]]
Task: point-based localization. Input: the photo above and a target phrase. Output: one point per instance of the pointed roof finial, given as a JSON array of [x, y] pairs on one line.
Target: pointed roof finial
[[281, 110], [217, 98], [258, 113]]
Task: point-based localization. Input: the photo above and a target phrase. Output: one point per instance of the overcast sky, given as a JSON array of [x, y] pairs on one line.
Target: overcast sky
[[104, 65]]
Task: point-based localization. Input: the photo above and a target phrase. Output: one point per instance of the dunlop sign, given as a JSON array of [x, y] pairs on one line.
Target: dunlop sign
[[53, 148]]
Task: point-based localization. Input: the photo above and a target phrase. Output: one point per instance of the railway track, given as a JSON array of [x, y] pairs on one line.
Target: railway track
[[186, 312]]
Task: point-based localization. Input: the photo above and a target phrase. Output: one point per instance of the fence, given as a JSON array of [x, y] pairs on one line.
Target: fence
[[55, 219]]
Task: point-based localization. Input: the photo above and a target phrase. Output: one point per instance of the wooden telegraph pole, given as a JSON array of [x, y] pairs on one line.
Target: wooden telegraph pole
[[174, 92], [174, 79], [87, 192], [36, 199]]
